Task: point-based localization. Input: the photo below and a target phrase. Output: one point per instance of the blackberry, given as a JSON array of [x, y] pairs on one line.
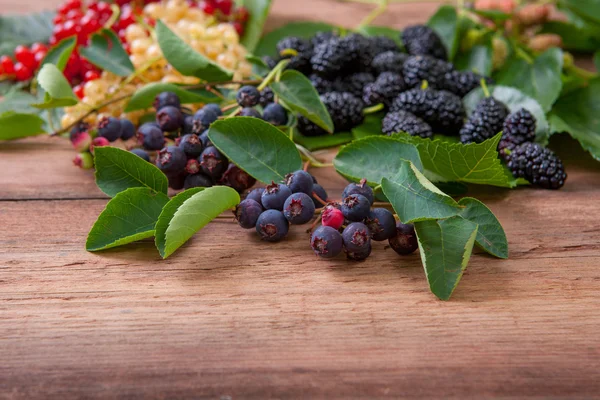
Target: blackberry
[[442, 110], [247, 213], [326, 242], [237, 178], [403, 121], [423, 68], [389, 61], [275, 114], [250, 112], [538, 165], [166, 99], [404, 241], [300, 182], [272, 226], [381, 44], [274, 196], [381, 224], [213, 162], [299, 209], [356, 207], [109, 128], [359, 188], [322, 85], [321, 37], [141, 154], [462, 82], [248, 96], [362, 50], [345, 111], [384, 90], [353, 83], [169, 118], [197, 180], [304, 48], [191, 145], [319, 191], [485, 122], [422, 40], [333, 57], [127, 129], [171, 160], [520, 127], [266, 96]]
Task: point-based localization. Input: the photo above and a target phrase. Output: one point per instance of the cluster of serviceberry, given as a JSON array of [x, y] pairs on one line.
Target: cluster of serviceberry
[[348, 226]]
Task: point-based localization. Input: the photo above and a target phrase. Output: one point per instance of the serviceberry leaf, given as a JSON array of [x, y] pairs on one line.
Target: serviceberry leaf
[[24, 29], [58, 92], [144, 97], [258, 10], [257, 147], [445, 247], [514, 100], [415, 198], [188, 212], [18, 125], [60, 53], [445, 23], [490, 234], [106, 52], [128, 217], [299, 96], [456, 162], [375, 158], [118, 170], [186, 60], [268, 44]]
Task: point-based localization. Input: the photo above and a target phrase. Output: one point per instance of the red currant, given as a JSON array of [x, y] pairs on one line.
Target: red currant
[[89, 22], [36, 47], [39, 56], [241, 14], [74, 15], [8, 66], [78, 90], [25, 56], [239, 28], [207, 7], [104, 10], [22, 72], [224, 6], [58, 18], [91, 76]]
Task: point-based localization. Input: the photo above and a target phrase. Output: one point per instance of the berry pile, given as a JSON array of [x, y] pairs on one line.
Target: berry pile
[[348, 226]]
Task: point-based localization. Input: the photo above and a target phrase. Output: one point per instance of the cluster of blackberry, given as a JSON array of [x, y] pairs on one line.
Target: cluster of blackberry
[[348, 226]]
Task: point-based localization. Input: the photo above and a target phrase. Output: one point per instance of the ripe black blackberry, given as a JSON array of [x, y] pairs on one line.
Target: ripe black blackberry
[[363, 52], [389, 61], [519, 127], [423, 68], [403, 121], [422, 40], [304, 48], [345, 111], [333, 57], [442, 110], [321, 37], [353, 83], [485, 122], [538, 165], [385, 89], [462, 82], [321, 84], [381, 44]]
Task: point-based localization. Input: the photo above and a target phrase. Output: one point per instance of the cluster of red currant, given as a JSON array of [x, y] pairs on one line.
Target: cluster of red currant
[[226, 11], [28, 59]]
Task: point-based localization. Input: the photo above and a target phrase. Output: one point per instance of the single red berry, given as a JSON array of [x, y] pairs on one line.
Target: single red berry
[[39, 57], [224, 6], [91, 75], [99, 142], [38, 47], [239, 28], [25, 56], [22, 72], [74, 15], [241, 14], [89, 22], [333, 217], [8, 65], [58, 18], [207, 7], [78, 90], [104, 10]]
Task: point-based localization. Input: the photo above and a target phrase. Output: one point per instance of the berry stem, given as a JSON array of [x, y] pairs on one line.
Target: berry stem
[[311, 158], [320, 200], [269, 78], [373, 109], [116, 13], [380, 9], [484, 87]]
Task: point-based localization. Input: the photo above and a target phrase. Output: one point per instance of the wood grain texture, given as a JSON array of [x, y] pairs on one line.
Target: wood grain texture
[[228, 316]]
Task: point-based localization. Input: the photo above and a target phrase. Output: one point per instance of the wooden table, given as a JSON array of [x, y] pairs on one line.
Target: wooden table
[[230, 317]]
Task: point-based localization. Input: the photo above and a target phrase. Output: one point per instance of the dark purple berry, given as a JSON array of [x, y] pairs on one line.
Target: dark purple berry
[[176, 181], [203, 118], [359, 188], [266, 96], [357, 241], [321, 193], [326, 242], [78, 128], [272, 226], [213, 162], [150, 136], [381, 224], [205, 140], [191, 145], [166, 99], [248, 96], [247, 213], [299, 208], [197, 180], [300, 181], [359, 255], [356, 207], [127, 129], [404, 241], [256, 195], [171, 160], [169, 118], [188, 124], [250, 112], [274, 196], [237, 178], [109, 128], [275, 114], [214, 108], [141, 154]]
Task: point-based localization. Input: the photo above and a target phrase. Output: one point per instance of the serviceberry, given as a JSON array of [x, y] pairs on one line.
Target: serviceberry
[[300, 181], [272, 225], [326, 242], [176, 181], [166, 99], [357, 240], [202, 120], [248, 96], [213, 162], [247, 213], [250, 112], [99, 142], [192, 166], [84, 160], [319, 192], [275, 196], [109, 128], [169, 118], [275, 114], [356, 207], [255, 194], [171, 160], [197, 180], [359, 188], [381, 224], [237, 178], [215, 108], [333, 217], [141, 154], [127, 129], [404, 241], [299, 208], [81, 141], [205, 140], [191, 145], [150, 136], [188, 124]]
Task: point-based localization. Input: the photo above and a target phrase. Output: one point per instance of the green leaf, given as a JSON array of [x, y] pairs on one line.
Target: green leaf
[[106, 52], [370, 127], [267, 45], [445, 248], [24, 29], [18, 125], [371, 30], [597, 61], [299, 95], [144, 97], [514, 100], [258, 10], [189, 212], [130, 216], [414, 198], [478, 59], [490, 234], [375, 158], [59, 54], [58, 92], [456, 162], [540, 80], [586, 8], [186, 60], [256, 146], [118, 170], [20, 102], [322, 142], [445, 23], [577, 113], [259, 67]]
